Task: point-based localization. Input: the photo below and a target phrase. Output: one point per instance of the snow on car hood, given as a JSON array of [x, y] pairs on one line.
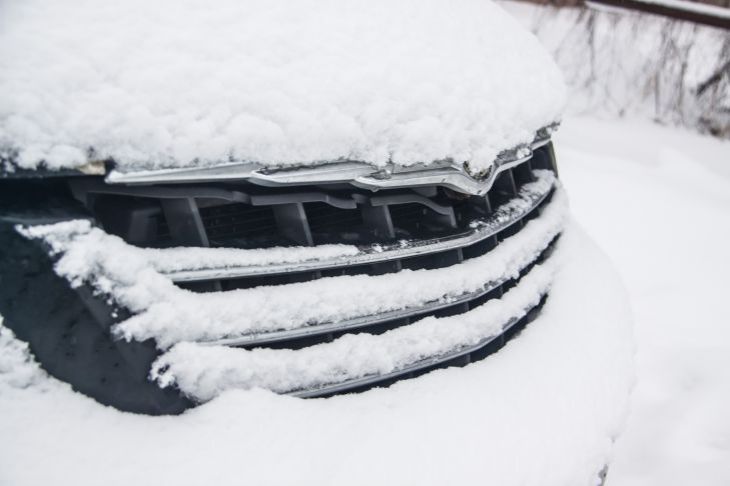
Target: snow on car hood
[[170, 84]]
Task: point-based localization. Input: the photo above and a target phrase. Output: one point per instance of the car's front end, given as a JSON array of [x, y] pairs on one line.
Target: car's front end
[[323, 214], [291, 259]]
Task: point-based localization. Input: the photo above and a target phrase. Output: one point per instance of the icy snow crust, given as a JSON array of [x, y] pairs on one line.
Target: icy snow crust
[[543, 411], [170, 84], [170, 314]]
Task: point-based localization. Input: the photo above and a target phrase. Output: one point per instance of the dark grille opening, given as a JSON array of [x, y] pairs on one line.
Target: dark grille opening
[[523, 174], [136, 220], [544, 158], [503, 190], [241, 226], [416, 221], [163, 236], [480, 248], [428, 262], [453, 310], [350, 270], [471, 209], [433, 261], [247, 283], [329, 224]]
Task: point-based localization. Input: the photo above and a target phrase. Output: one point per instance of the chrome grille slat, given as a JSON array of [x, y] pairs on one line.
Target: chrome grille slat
[[485, 229], [414, 367], [455, 304], [354, 323]]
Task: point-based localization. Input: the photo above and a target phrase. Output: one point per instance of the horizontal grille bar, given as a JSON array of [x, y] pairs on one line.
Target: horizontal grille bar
[[427, 308], [346, 364], [429, 362], [529, 198], [354, 323]]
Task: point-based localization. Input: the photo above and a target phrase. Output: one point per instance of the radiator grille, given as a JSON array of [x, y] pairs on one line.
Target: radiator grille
[[242, 216]]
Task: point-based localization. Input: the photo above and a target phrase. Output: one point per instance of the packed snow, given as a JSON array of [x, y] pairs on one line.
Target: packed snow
[[661, 211], [500, 421], [170, 314], [203, 372], [162, 84], [171, 260]]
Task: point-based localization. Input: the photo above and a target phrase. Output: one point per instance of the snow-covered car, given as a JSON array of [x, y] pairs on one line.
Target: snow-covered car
[[311, 198]]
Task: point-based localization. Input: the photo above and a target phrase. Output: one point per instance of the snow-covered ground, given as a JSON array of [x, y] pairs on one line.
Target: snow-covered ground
[[658, 201]]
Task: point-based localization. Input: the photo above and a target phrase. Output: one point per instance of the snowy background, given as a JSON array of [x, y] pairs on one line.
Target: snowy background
[[624, 63], [658, 202], [656, 196]]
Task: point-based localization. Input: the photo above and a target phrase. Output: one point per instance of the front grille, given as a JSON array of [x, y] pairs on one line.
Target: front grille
[[240, 226], [408, 228]]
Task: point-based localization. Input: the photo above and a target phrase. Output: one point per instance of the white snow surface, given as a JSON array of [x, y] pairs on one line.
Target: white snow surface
[[203, 372], [169, 260], [542, 411], [170, 314], [661, 212], [169, 83]]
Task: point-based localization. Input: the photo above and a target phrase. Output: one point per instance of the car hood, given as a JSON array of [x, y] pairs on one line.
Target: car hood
[[159, 85]]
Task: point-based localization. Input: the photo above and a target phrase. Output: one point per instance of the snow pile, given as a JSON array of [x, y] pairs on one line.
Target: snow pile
[[17, 367], [544, 410], [203, 372], [161, 84], [170, 260], [622, 63], [661, 212], [170, 314]]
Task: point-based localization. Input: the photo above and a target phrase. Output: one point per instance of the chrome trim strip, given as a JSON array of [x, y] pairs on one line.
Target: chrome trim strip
[[354, 323], [418, 365], [367, 320], [482, 230], [446, 173]]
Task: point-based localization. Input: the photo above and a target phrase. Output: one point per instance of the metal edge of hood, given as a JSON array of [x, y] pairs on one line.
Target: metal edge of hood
[[444, 173]]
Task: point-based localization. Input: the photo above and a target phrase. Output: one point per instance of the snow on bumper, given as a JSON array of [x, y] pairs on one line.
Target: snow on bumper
[[544, 410], [203, 372]]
